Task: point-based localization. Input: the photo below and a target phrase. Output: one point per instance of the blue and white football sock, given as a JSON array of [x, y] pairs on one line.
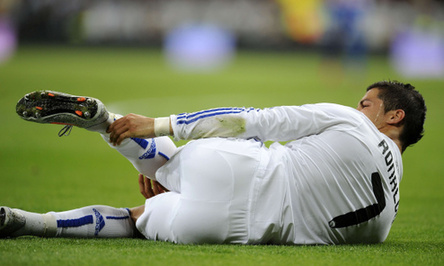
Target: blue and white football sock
[[146, 155], [92, 221], [95, 221]]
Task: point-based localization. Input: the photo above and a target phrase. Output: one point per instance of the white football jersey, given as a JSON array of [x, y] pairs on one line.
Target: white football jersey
[[335, 181]]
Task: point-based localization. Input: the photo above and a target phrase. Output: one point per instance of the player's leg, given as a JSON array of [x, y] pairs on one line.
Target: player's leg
[[91, 221], [216, 180], [147, 155]]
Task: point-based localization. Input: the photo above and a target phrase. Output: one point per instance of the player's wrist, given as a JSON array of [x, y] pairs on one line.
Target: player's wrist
[[162, 126]]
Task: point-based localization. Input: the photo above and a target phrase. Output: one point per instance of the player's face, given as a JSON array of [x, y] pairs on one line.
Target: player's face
[[372, 107]]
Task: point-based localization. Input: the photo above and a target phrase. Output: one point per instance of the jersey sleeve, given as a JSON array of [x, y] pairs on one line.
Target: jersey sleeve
[[283, 123]]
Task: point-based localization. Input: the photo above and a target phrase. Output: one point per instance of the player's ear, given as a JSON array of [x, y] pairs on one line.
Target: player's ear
[[395, 116]]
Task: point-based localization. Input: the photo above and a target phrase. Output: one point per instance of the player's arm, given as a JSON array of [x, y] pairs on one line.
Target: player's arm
[[138, 126], [220, 122], [281, 123]]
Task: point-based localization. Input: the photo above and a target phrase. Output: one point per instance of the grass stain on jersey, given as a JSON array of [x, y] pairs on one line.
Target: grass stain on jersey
[[221, 126]]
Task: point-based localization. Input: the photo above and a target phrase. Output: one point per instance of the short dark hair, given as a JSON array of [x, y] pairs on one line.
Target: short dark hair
[[397, 95]]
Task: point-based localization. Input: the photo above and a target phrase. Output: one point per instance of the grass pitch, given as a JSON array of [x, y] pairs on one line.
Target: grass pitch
[[42, 172]]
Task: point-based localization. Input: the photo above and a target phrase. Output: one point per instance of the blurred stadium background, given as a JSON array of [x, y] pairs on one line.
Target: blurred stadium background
[[204, 35]]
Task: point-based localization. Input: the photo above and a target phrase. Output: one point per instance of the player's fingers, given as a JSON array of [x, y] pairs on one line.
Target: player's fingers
[[122, 137], [156, 189], [116, 124], [116, 129], [116, 137], [142, 185], [112, 136], [110, 127], [148, 188], [162, 187], [120, 133], [145, 187]]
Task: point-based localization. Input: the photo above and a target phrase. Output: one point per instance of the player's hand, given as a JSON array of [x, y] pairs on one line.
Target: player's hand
[[131, 126], [150, 188]]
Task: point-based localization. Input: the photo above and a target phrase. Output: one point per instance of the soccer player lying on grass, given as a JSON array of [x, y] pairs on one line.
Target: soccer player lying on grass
[[335, 182]]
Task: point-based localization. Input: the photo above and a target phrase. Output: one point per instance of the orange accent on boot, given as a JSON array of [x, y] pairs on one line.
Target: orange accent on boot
[[81, 99], [79, 113], [38, 107], [50, 94]]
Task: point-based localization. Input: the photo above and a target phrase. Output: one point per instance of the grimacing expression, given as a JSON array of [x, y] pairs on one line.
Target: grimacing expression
[[372, 107]]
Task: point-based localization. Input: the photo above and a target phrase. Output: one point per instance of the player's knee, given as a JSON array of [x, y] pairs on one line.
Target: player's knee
[[207, 177]]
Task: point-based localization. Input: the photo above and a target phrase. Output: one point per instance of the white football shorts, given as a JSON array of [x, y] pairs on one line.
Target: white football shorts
[[212, 187]]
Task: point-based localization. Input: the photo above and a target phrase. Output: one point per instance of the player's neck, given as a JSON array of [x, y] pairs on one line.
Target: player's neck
[[393, 132]]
